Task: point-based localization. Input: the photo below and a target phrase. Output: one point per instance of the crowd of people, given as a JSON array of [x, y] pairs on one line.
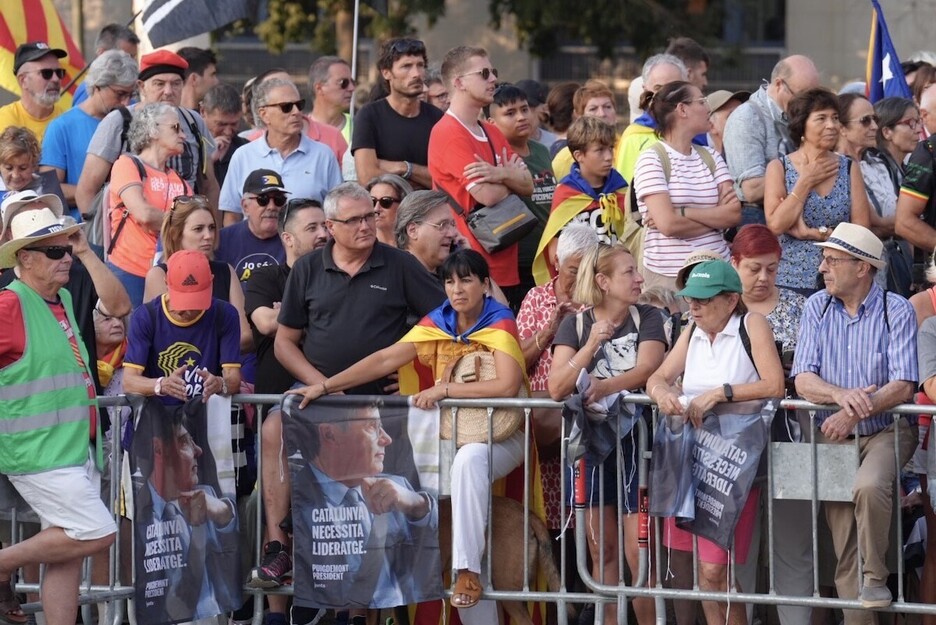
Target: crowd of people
[[724, 249]]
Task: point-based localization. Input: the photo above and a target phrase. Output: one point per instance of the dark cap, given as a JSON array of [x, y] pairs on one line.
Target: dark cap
[[162, 62], [264, 181], [33, 52], [535, 91]]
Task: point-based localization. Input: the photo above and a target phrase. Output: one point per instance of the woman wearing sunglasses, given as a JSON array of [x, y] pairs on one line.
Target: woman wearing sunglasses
[[811, 190], [191, 224], [387, 191], [861, 129], [142, 188]]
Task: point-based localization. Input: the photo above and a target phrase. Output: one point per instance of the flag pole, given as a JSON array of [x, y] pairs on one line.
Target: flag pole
[[354, 48], [87, 65]]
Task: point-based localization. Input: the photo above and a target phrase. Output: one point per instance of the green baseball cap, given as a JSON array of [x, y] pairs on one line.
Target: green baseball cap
[[710, 278]]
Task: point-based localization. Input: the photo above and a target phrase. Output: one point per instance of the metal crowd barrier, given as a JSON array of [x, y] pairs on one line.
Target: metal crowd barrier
[[116, 593]]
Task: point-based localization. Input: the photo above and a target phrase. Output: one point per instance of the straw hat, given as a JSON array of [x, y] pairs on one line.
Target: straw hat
[[30, 227], [856, 241]]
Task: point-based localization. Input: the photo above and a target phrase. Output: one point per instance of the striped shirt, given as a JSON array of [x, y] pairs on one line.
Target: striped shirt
[[691, 184], [855, 352]]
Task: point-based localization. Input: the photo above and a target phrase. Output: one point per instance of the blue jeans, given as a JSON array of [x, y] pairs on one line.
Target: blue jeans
[[133, 284], [752, 214]]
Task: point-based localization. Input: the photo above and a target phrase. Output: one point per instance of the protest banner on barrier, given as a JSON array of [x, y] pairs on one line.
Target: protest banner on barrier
[[365, 508]]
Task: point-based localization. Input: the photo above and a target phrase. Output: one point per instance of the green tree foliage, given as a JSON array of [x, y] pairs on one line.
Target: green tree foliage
[[645, 24]]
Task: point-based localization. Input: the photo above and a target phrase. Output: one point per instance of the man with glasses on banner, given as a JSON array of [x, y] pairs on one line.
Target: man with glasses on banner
[[51, 446], [306, 167], [39, 75], [756, 132], [916, 205], [391, 135]]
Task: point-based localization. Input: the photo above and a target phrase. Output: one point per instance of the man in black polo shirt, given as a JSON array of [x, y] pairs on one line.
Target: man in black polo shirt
[[391, 135], [302, 230]]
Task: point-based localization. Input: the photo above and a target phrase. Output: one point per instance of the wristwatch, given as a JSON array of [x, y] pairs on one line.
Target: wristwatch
[[157, 390], [729, 392]]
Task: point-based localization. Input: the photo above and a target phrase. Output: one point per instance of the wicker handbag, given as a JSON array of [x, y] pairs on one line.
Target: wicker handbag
[[473, 422]]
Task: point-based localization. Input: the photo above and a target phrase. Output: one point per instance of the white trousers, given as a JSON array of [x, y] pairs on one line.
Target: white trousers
[[471, 488]]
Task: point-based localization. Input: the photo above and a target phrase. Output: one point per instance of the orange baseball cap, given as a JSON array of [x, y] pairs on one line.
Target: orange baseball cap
[[189, 280]]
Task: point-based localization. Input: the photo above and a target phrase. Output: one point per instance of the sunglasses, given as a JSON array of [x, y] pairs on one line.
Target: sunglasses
[[355, 222], [295, 204], [344, 83], [912, 124], [264, 198], [384, 202], [52, 252], [485, 73], [287, 107], [106, 317], [201, 200], [867, 120], [701, 301], [407, 47], [47, 74]]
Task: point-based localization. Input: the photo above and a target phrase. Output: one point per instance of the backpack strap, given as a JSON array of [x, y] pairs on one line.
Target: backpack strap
[[742, 334], [202, 170], [706, 157], [126, 212]]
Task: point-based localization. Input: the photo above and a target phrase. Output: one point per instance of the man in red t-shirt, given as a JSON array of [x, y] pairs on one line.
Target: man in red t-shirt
[[471, 160]]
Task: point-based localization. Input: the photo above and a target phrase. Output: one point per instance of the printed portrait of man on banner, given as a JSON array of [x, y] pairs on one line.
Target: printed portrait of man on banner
[[186, 527], [364, 536]]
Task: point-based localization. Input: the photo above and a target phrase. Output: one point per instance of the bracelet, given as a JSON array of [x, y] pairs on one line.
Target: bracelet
[[324, 387], [157, 388], [655, 387], [536, 340], [446, 389], [574, 365], [682, 211], [793, 193], [409, 170], [224, 387]]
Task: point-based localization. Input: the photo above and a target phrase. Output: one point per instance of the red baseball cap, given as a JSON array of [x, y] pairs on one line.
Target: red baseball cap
[[189, 280]]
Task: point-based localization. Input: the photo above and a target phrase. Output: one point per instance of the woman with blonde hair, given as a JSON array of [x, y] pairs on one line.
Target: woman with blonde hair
[[619, 343]]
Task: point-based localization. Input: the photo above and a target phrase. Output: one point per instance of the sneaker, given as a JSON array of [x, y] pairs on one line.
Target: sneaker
[[274, 569], [875, 597]]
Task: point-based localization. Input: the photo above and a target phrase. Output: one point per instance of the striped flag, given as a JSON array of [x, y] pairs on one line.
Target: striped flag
[[23, 21], [169, 21], [884, 77]]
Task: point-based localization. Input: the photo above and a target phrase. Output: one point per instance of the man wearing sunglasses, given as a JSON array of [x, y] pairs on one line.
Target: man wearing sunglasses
[[391, 135], [253, 242], [52, 445], [332, 87], [308, 168], [39, 75]]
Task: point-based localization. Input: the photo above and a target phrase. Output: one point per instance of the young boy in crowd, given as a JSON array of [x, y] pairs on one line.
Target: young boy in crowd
[[511, 113], [593, 193]]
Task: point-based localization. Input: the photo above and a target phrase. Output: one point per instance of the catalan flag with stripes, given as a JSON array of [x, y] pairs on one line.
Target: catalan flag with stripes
[[24, 21]]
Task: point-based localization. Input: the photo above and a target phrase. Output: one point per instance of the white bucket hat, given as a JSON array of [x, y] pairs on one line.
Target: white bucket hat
[[856, 241], [30, 227], [14, 202]]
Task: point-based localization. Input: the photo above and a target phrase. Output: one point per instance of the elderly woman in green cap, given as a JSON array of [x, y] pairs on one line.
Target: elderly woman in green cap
[[727, 354]]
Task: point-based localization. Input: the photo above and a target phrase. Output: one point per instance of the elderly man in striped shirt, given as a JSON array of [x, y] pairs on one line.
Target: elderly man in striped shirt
[[857, 349]]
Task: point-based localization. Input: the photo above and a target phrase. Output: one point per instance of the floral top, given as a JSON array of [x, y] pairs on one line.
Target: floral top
[[533, 317], [785, 318], [799, 263]]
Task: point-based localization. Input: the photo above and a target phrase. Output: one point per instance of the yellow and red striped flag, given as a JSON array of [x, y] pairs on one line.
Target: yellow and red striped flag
[[23, 21]]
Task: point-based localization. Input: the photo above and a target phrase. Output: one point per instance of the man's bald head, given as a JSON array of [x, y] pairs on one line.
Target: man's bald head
[[928, 108], [791, 76]]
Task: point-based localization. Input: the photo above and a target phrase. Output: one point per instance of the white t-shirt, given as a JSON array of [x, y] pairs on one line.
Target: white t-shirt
[[690, 184]]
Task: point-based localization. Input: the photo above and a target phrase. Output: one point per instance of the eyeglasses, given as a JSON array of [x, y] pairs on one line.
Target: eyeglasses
[[264, 198], [867, 120], [120, 93], [47, 73], [788, 87], [287, 107], [407, 47], [105, 316], [355, 222], [912, 124], [703, 100], [832, 261], [701, 301], [445, 224], [485, 73], [294, 204], [176, 127], [52, 252], [384, 202], [344, 83]]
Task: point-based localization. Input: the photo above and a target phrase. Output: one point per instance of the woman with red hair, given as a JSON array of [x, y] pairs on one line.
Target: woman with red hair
[[755, 255]]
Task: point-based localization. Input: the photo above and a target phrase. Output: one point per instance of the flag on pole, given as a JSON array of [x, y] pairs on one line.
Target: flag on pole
[[169, 21], [884, 76], [23, 21]]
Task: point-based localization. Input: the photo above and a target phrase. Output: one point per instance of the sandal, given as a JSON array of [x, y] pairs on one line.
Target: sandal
[[468, 585], [10, 612]]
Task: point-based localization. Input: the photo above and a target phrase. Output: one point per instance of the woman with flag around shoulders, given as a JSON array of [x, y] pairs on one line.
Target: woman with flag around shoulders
[[469, 321]]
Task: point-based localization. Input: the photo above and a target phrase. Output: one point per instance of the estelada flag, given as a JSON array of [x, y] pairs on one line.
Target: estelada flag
[[24, 21], [884, 75]]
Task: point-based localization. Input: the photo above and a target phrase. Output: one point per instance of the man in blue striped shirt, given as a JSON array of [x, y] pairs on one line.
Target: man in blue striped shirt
[[857, 350]]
